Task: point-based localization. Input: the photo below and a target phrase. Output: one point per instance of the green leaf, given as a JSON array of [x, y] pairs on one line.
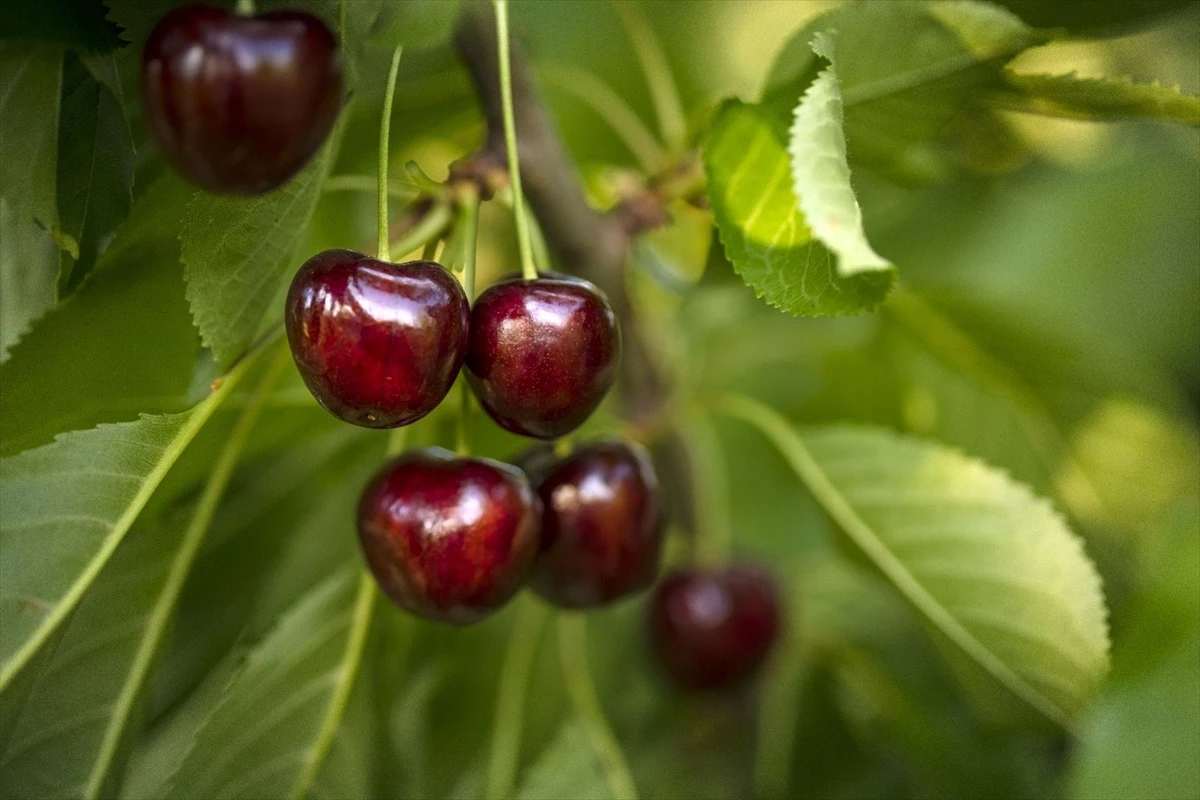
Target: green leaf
[[567, 768], [28, 273], [1098, 98], [764, 232], [272, 730], [144, 580], [66, 506], [989, 566], [68, 730], [77, 24], [122, 345], [81, 493], [906, 69], [238, 250], [30, 81], [821, 175], [95, 169]]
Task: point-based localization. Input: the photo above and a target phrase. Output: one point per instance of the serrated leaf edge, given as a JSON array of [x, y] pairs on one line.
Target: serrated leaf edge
[[795, 451]]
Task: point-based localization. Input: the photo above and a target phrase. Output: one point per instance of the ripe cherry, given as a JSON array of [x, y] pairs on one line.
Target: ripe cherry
[[543, 353], [713, 629], [450, 539], [239, 104], [378, 344], [601, 526]]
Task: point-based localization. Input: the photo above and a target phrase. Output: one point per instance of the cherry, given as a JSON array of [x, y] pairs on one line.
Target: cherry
[[378, 344], [601, 526], [450, 539], [239, 104], [543, 353], [712, 629]]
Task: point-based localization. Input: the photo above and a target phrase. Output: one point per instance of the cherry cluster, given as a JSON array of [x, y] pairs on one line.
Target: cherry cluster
[[238, 104]]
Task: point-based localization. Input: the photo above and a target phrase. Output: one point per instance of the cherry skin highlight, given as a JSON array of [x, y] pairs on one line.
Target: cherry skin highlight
[[712, 630], [602, 528], [543, 353], [378, 344], [238, 104], [450, 539]]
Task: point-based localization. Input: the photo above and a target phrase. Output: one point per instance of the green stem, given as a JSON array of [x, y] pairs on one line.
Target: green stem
[[671, 120], [572, 655], [356, 645], [369, 183], [510, 141], [245, 7], [714, 529], [196, 419], [612, 109], [510, 700], [468, 225], [428, 228], [181, 565], [397, 441], [385, 133]]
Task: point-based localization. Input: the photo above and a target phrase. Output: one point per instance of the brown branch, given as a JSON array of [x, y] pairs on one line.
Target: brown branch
[[588, 243]]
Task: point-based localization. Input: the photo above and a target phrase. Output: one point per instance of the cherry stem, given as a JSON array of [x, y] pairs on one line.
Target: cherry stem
[[572, 656], [672, 122], [427, 230], [510, 142], [510, 698], [468, 222], [714, 533], [385, 132], [245, 7], [397, 441]]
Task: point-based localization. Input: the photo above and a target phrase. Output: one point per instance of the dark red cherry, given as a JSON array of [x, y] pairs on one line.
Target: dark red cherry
[[378, 344], [714, 629], [601, 526], [239, 104], [450, 539], [543, 354]]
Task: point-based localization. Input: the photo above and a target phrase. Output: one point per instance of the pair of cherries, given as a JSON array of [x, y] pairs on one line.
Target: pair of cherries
[[379, 344], [453, 539]]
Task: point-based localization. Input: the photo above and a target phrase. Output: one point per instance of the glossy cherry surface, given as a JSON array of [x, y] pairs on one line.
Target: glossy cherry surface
[[543, 354], [601, 526], [714, 629], [378, 344], [238, 104], [450, 539]]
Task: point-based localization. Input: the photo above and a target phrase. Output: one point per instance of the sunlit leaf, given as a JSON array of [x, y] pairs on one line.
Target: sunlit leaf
[[762, 228], [820, 174]]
